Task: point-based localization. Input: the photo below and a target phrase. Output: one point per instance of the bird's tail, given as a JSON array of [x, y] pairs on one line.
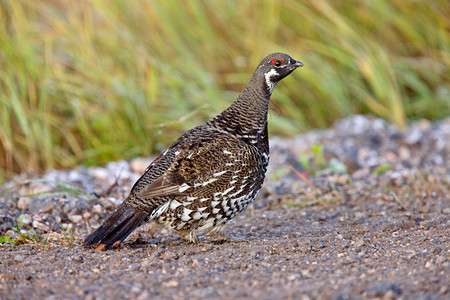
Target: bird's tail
[[116, 228]]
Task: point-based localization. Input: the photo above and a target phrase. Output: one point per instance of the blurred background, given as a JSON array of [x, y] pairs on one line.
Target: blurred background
[[87, 82]]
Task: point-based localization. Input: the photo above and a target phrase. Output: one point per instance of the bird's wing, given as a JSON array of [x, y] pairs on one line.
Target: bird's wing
[[204, 165]]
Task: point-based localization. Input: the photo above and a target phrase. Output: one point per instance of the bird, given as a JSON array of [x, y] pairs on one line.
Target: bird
[[209, 174]]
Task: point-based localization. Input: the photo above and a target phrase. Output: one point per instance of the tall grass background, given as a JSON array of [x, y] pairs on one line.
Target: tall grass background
[[86, 82]]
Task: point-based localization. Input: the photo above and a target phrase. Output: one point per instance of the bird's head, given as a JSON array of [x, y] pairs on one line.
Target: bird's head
[[275, 67]]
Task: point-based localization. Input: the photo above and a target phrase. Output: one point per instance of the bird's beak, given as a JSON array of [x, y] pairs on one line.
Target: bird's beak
[[298, 64]]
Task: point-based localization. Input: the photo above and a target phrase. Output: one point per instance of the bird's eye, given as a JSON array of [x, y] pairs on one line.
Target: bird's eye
[[277, 62]]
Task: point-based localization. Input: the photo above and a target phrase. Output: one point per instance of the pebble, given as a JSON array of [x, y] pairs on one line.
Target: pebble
[[97, 209], [41, 226], [169, 256], [41, 205], [170, 284], [385, 290], [26, 221], [76, 219], [139, 164], [19, 258], [78, 258], [100, 174], [359, 243], [23, 203], [440, 259]]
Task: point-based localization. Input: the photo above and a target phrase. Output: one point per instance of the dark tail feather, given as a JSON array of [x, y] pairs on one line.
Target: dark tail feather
[[116, 228]]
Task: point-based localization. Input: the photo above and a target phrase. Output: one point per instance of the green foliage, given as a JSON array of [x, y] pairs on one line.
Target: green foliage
[[25, 237], [4, 239], [318, 162], [381, 169], [317, 151], [337, 166], [94, 81], [68, 237], [306, 163], [39, 240]]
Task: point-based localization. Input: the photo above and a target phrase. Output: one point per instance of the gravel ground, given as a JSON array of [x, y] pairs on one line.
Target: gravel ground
[[378, 230]]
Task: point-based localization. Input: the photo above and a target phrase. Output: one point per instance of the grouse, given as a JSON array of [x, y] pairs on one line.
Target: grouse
[[209, 174]]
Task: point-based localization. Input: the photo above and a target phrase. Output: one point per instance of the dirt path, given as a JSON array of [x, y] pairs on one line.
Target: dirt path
[[338, 251]]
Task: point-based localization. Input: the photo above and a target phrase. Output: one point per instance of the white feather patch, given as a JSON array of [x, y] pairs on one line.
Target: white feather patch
[[183, 187], [160, 210], [219, 173], [174, 204], [270, 84], [209, 181], [227, 191], [186, 214]]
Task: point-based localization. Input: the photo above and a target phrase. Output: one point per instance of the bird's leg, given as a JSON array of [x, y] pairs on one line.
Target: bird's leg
[[188, 235]]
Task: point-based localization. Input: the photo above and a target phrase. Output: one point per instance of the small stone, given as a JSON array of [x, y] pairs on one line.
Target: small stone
[[359, 243], [292, 277], [76, 219], [413, 137], [100, 174], [81, 206], [110, 203], [67, 208], [97, 209], [385, 290], [143, 295], [40, 226], [23, 203], [404, 153], [12, 234], [305, 273], [169, 256], [41, 205], [136, 289], [390, 157], [26, 222], [397, 179], [19, 258], [139, 164], [78, 258], [67, 226], [440, 259], [171, 283], [86, 215]]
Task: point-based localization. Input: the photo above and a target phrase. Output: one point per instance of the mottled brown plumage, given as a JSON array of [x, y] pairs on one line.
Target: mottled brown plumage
[[209, 174]]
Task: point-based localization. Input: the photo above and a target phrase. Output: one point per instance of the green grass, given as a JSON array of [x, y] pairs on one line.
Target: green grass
[[93, 81]]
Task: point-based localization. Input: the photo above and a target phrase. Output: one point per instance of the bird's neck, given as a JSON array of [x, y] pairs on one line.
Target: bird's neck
[[247, 116]]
